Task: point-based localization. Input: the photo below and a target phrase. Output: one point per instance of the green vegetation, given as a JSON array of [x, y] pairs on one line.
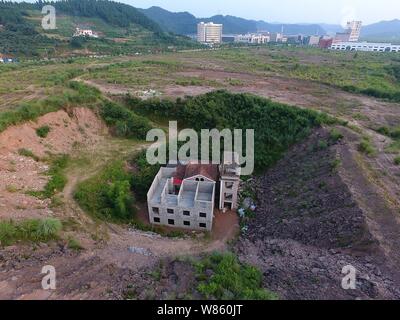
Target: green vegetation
[[367, 73], [335, 135], [57, 181], [74, 244], [366, 147], [107, 195], [230, 279], [11, 189], [43, 131], [28, 153], [34, 230], [277, 126], [143, 175], [77, 94], [23, 34], [397, 161], [125, 123]]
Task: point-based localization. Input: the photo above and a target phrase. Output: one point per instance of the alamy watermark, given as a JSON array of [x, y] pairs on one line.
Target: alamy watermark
[[49, 280], [349, 281], [49, 21], [197, 148]]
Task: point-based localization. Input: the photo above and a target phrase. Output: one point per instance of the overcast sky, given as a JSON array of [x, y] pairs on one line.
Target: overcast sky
[[291, 11]]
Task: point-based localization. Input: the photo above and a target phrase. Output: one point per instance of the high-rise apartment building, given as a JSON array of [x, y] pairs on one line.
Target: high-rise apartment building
[[354, 30], [351, 34], [209, 32]]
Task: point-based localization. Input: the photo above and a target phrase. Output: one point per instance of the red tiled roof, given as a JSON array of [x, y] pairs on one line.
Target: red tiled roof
[[209, 171]]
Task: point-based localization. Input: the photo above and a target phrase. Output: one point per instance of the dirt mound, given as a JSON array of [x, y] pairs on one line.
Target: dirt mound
[[81, 125], [308, 227], [21, 172]]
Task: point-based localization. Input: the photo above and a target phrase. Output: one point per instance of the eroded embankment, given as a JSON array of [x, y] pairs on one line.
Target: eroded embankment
[[21, 152]]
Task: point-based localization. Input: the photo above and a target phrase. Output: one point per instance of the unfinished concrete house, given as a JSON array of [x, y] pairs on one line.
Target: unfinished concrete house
[[183, 196]]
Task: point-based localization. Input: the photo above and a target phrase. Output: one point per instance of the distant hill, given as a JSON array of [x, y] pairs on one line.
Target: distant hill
[[177, 22], [382, 31], [122, 29], [292, 29], [185, 23]]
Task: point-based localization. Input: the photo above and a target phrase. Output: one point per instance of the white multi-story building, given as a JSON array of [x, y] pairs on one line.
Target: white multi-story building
[[183, 196], [365, 46], [354, 30], [254, 38], [209, 32]]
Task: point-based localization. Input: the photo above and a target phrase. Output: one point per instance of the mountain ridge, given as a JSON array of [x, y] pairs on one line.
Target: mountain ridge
[[171, 22]]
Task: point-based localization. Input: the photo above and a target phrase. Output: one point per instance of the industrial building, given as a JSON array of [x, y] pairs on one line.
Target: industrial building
[[365, 46]]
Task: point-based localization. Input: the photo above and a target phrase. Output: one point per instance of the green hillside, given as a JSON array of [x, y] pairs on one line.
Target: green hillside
[[122, 29]]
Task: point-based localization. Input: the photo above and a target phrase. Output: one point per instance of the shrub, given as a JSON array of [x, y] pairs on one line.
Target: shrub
[[144, 175], [322, 145], [397, 161], [74, 244], [335, 135], [107, 195], [43, 131], [230, 280], [124, 121], [366, 147]]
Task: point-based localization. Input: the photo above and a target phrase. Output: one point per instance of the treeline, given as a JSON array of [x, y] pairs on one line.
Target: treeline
[[277, 126]]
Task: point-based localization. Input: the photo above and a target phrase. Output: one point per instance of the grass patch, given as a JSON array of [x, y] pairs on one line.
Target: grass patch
[[43, 131], [35, 230], [366, 147], [230, 280], [397, 161], [28, 153], [74, 244], [12, 189], [57, 181], [335, 135], [108, 194]]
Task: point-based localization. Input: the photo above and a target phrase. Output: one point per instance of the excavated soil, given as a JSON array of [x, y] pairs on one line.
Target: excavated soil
[[308, 226], [20, 174]]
